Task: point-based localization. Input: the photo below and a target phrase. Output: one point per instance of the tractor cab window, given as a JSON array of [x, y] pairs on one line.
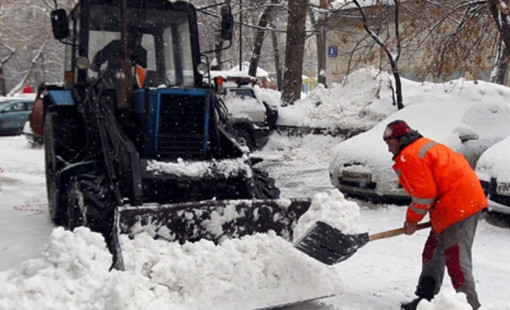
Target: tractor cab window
[[177, 54], [164, 49], [102, 43]]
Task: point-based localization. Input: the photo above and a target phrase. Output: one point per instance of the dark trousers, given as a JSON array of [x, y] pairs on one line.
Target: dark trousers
[[451, 249]]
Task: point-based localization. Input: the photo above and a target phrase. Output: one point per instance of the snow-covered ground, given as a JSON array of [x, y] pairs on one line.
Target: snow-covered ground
[[42, 267]]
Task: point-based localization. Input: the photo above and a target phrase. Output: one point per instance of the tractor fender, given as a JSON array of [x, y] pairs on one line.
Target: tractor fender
[[60, 97]]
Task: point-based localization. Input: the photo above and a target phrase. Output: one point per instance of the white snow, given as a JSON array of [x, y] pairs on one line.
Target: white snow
[[44, 267]]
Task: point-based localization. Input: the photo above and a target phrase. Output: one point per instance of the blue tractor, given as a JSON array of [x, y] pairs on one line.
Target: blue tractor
[[136, 141]]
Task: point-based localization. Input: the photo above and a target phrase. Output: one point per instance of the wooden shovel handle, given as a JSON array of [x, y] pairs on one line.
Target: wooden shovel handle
[[395, 232]]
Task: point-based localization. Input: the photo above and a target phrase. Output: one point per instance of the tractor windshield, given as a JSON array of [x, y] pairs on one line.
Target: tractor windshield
[[158, 41]]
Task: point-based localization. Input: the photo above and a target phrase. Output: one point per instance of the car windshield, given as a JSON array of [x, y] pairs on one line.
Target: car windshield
[[242, 92]]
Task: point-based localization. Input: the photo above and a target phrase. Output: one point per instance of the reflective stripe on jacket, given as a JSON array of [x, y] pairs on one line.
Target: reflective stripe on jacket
[[440, 181]]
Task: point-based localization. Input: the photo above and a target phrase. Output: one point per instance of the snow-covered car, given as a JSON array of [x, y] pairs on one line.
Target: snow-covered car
[[252, 118], [361, 166], [13, 114], [493, 169]]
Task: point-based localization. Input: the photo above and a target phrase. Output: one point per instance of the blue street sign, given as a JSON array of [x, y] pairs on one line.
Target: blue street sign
[[332, 51]]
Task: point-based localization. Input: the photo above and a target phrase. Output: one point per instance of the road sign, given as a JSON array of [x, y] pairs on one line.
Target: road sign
[[332, 51]]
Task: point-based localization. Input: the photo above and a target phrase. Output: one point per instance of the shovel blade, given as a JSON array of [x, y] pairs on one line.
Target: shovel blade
[[328, 244]]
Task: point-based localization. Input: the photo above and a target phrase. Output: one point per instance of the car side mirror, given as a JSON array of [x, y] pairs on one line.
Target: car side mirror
[[59, 24], [468, 137], [466, 133]]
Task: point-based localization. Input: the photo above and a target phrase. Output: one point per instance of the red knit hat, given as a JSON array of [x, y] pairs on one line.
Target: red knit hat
[[396, 129]]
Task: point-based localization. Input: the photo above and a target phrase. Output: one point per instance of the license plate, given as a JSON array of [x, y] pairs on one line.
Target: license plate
[[503, 189], [355, 176]]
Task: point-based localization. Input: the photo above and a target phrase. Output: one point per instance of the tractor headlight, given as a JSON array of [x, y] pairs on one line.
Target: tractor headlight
[[82, 63], [202, 68]]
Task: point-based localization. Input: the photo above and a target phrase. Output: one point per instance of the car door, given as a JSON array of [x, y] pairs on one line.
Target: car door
[[14, 115]]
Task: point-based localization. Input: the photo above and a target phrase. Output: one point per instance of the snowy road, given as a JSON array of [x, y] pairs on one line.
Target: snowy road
[[379, 276]]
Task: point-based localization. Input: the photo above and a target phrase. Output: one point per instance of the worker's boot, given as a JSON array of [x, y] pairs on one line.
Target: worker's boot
[[412, 305], [425, 290]]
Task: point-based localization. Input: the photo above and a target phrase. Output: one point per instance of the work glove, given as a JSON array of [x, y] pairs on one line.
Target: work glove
[[410, 227]]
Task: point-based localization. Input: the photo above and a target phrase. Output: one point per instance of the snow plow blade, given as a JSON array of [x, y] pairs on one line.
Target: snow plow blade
[[214, 220]]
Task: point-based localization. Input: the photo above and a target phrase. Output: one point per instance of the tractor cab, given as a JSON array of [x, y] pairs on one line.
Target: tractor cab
[[168, 37]]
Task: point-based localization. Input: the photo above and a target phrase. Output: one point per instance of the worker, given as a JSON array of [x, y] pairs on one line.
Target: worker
[[441, 183], [111, 53]]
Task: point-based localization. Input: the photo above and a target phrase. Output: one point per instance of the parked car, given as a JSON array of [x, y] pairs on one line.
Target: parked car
[[361, 166], [14, 113], [493, 169]]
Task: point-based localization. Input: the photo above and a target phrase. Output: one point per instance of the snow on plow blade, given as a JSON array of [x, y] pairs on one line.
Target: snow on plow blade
[[214, 220]]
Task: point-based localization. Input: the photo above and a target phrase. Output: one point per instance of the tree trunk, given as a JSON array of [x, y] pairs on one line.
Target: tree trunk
[[320, 40], [265, 19], [20, 84], [277, 63], [500, 70], [501, 20], [218, 53], [294, 51], [3, 87]]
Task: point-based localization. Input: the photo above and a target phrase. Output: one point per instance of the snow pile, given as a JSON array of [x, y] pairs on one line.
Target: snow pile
[[446, 299], [333, 209], [250, 272], [226, 167], [73, 271], [343, 105]]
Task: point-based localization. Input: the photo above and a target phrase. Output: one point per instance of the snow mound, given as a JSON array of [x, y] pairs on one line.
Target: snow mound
[[331, 208], [344, 104], [251, 272]]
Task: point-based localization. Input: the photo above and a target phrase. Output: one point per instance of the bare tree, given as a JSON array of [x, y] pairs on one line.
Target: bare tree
[[2, 62], [277, 62], [292, 77], [265, 20], [500, 10], [28, 52], [393, 56]]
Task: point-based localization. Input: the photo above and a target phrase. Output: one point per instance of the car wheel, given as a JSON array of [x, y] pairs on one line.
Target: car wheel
[[244, 138], [59, 148]]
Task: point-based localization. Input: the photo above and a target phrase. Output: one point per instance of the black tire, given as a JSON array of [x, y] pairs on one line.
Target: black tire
[[265, 187], [244, 138], [60, 147], [91, 203]]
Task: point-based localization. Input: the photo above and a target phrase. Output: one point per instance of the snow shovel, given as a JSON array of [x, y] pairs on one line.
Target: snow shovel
[[330, 246]]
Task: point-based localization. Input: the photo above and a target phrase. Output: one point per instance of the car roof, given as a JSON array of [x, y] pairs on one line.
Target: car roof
[[494, 162]]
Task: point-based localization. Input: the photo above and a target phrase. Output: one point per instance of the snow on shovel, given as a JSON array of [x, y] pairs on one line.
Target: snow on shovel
[[330, 246]]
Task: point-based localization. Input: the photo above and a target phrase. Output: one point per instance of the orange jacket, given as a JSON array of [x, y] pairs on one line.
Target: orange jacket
[[440, 181]]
